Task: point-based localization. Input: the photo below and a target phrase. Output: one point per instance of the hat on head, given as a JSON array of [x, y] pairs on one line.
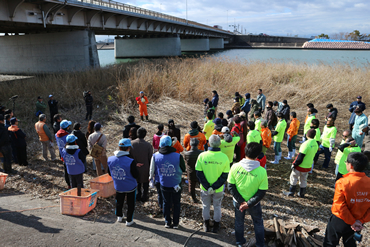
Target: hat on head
[[206, 100], [171, 121], [329, 105], [50, 95], [229, 112], [97, 126], [217, 121], [225, 129], [13, 120], [65, 123], [71, 138], [194, 124], [125, 142], [247, 95], [242, 114], [359, 97], [39, 97], [285, 101], [237, 94], [141, 91], [165, 141]]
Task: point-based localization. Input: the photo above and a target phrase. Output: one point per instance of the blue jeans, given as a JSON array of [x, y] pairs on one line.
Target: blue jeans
[[171, 199], [277, 148], [291, 144], [259, 230], [327, 154]]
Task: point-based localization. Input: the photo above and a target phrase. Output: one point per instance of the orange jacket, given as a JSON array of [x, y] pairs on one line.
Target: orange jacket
[[352, 198], [142, 104], [39, 126], [201, 137], [293, 127], [266, 137], [306, 118], [216, 132], [178, 147]]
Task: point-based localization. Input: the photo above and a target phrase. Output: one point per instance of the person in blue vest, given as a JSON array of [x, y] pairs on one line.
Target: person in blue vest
[[73, 157], [169, 166], [124, 173], [61, 136]]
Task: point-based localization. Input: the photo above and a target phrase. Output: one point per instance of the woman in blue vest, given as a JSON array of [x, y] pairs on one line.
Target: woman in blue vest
[[73, 157], [169, 167], [124, 173]]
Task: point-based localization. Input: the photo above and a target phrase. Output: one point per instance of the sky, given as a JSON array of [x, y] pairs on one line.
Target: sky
[[304, 18]]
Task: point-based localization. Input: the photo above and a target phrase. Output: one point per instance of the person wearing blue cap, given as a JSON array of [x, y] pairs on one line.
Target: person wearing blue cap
[[123, 170], [61, 137], [73, 159], [169, 166], [142, 100]]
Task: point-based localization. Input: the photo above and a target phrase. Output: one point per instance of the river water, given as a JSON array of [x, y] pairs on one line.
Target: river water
[[353, 58]]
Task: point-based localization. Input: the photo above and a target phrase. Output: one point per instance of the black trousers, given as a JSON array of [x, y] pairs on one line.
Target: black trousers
[[339, 175], [76, 180], [120, 199], [237, 153], [89, 109], [145, 187], [66, 175], [22, 156], [7, 153], [337, 229], [52, 117]]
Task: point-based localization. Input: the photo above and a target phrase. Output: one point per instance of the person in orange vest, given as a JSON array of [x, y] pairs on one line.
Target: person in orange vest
[[195, 132], [177, 145], [142, 100], [45, 137], [292, 135], [266, 136]]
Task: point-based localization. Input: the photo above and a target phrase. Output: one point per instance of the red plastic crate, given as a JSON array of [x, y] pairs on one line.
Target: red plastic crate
[[72, 204], [104, 184], [2, 180]]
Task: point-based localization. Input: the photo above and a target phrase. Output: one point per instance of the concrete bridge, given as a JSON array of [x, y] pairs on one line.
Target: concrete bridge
[[59, 35]]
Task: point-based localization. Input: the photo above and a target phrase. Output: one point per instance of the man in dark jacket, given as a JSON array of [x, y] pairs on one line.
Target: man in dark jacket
[[191, 157], [5, 147], [56, 125], [285, 110], [131, 124], [333, 112], [89, 105], [215, 99], [172, 130], [53, 107], [81, 142], [18, 139], [270, 116]]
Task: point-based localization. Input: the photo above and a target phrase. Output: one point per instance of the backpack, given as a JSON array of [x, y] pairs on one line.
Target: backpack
[[97, 150]]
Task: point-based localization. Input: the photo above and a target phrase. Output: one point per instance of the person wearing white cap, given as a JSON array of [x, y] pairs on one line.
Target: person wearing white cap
[[53, 107], [142, 100], [228, 142]]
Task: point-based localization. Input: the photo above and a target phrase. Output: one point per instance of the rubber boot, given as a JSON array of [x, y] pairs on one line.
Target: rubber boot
[[206, 226], [289, 156], [142, 118], [147, 118], [293, 154], [280, 154], [292, 189], [302, 192], [276, 161], [216, 227]]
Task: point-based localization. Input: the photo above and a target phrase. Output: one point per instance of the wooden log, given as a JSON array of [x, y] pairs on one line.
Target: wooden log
[[282, 232], [289, 238], [277, 232], [303, 241], [308, 237], [269, 232]]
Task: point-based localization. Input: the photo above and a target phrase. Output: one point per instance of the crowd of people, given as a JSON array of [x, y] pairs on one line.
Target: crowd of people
[[227, 155]]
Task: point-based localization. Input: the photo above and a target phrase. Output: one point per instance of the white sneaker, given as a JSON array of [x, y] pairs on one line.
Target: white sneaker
[[175, 227], [119, 219], [129, 223]]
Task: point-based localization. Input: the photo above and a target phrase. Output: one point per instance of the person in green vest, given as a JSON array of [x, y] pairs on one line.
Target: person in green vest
[[307, 124], [278, 136], [350, 146], [302, 164], [228, 142], [327, 142], [208, 128], [253, 135], [338, 156], [257, 122]]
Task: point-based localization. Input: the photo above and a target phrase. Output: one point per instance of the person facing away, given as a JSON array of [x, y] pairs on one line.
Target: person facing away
[[89, 105], [349, 146], [254, 107], [205, 107], [94, 138], [266, 137], [191, 157], [352, 107], [292, 133], [131, 123], [360, 126], [224, 121], [258, 120], [157, 137], [212, 169], [239, 153], [142, 101], [18, 139], [327, 142], [236, 106], [172, 131], [81, 141], [132, 134], [270, 116], [45, 138], [351, 203], [169, 166], [61, 140], [53, 107], [123, 171], [338, 156], [307, 124], [228, 142], [248, 183], [194, 133], [278, 136], [5, 147], [56, 124], [261, 100], [209, 126]]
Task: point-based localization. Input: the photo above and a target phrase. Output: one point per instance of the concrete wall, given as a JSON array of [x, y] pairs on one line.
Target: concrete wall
[[147, 47], [48, 52], [216, 44], [195, 44]]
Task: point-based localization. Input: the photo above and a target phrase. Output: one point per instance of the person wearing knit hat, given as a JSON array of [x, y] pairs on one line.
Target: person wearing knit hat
[[142, 101], [168, 166], [195, 132], [302, 165]]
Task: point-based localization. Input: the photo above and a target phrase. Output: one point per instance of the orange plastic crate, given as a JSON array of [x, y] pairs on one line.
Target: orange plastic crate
[[72, 204], [2, 180], [104, 184]]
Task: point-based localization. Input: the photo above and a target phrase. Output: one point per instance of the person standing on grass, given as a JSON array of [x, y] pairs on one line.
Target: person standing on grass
[[241, 99], [218, 127], [351, 203], [246, 107], [169, 167], [259, 119], [81, 142], [215, 99], [157, 137], [53, 107], [224, 121], [254, 107], [238, 128], [349, 146], [101, 140], [360, 126], [332, 112], [303, 164], [191, 157], [5, 147], [338, 156], [132, 135], [279, 106], [230, 119], [266, 137], [45, 138], [261, 100], [40, 106], [270, 116], [56, 124], [123, 171], [205, 107], [89, 105], [253, 134], [18, 139], [352, 107], [194, 133], [278, 136], [131, 123], [177, 145], [292, 135], [208, 128], [307, 124], [248, 183], [228, 142], [236, 106], [285, 110], [172, 131], [212, 169], [141, 151], [327, 142], [142, 101]]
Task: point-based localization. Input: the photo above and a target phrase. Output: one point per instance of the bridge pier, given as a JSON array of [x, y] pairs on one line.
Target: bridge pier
[[197, 44], [147, 47], [48, 52], [216, 43]]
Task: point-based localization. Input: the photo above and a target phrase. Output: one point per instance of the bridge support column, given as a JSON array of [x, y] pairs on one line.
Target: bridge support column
[[197, 44], [216, 43], [48, 52], [147, 47]]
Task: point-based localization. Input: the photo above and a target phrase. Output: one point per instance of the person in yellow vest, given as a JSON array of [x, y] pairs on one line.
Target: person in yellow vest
[[327, 142], [307, 123], [278, 136], [45, 138], [257, 122], [338, 156], [349, 146]]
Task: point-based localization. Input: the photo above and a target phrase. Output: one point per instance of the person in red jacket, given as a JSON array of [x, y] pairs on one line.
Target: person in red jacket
[[142, 100], [351, 203]]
